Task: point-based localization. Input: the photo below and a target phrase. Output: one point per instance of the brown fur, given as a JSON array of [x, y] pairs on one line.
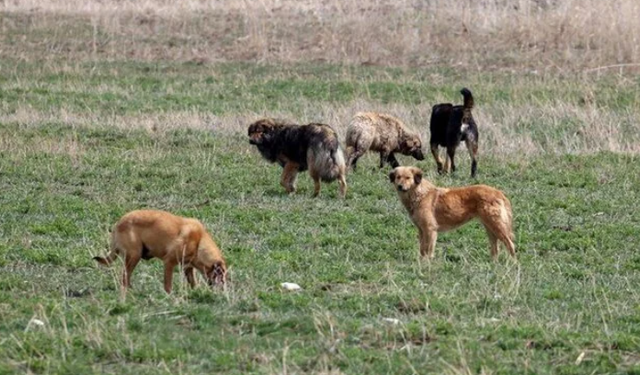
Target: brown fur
[[381, 133], [146, 234], [434, 209]]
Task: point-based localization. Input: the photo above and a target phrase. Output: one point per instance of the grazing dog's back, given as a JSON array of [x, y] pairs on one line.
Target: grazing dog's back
[[147, 234]]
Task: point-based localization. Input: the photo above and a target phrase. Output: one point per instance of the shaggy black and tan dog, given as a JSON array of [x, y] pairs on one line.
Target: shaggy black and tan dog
[[300, 147], [451, 125]]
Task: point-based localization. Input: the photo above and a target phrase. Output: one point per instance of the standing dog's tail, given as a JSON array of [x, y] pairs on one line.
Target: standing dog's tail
[[328, 159], [468, 98]]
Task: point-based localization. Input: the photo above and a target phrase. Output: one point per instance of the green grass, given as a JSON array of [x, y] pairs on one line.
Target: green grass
[[573, 291], [132, 88]]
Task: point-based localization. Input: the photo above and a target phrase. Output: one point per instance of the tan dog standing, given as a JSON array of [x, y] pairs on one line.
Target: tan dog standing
[[434, 209], [146, 234], [382, 133]]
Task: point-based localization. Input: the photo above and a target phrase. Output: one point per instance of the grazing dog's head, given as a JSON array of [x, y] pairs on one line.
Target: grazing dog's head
[[405, 178], [261, 130], [212, 264], [217, 274], [412, 145]]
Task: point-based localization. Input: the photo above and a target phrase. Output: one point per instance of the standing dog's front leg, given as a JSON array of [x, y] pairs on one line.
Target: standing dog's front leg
[[392, 160], [190, 274], [428, 239], [423, 242], [289, 174], [383, 158], [428, 226], [431, 238]]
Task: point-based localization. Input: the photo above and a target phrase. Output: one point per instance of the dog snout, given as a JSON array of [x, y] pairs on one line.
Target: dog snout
[[401, 188], [418, 155], [255, 138]]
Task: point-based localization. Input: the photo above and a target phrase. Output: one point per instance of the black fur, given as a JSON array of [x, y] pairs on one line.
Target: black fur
[[146, 253], [446, 129]]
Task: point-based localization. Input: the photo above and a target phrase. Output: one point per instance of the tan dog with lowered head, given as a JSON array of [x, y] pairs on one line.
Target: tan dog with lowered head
[[433, 209], [146, 234]]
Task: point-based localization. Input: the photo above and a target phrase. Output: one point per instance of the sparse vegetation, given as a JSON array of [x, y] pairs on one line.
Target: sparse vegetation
[[99, 117], [536, 35]]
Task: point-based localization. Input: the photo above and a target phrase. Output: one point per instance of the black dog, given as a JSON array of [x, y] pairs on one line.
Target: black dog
[[300, 147], [451, 125]]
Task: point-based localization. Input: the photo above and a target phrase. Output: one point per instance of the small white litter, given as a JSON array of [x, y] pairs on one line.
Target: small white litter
[[290, 286], [34, 323], [391, 321], [37, 322]]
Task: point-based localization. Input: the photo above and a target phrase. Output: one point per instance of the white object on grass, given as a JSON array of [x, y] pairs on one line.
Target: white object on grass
[[37, 322], [391, 320], [290, 286], [34, 323]]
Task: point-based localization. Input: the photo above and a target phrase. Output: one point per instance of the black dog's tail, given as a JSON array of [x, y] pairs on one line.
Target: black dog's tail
[[468, 98]]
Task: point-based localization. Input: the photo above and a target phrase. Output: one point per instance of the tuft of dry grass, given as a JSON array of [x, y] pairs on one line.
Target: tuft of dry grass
[[537, 35]]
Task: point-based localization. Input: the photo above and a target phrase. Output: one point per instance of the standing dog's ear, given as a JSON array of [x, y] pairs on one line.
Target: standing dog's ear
[[417, 176], [392, 176]]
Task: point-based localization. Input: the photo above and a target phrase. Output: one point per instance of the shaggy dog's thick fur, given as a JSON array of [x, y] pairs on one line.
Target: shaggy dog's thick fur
[[381, 133], [146, 234], [451, 125], [300, 147], [434, 209]]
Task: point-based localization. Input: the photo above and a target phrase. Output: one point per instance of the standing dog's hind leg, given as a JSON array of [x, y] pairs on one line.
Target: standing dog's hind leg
[[342, 183], [472, 147], [451, 153], [493, 243], [436, 156], [316, 181], [130, 264], [353, 155], [500, 230]]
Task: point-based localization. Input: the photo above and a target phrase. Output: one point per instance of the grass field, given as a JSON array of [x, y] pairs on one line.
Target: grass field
[[106, 107], [82, 144]]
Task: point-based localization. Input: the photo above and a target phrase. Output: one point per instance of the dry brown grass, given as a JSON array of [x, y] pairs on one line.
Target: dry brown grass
[[489, 34], [504, 130]]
